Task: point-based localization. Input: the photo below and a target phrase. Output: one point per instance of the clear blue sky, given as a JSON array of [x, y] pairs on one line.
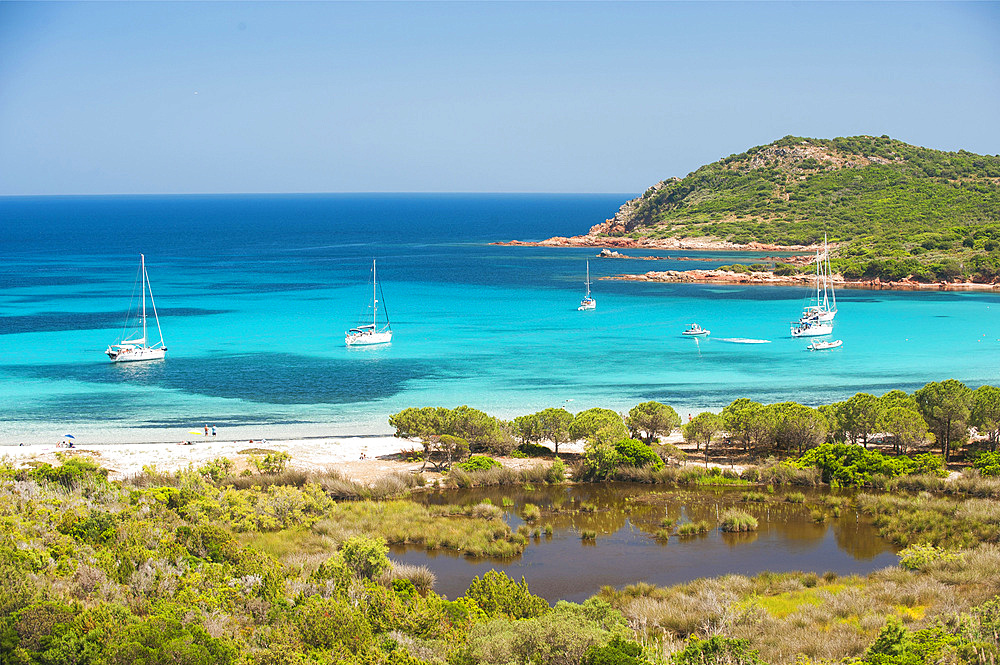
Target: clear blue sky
[[469, 97]]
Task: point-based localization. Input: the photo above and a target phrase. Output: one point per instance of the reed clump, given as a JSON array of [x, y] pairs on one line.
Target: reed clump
[[588, 534], [530, 512], [737, 521], [693, 528], [795, 497], [754, 497], [420, 576], [928, 520]]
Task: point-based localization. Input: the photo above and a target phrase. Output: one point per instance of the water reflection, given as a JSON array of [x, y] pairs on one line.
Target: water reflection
[[627, 517]]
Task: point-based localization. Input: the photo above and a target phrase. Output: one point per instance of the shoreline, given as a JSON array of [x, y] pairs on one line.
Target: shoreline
[[770, 279], [613, 242], [609, 244]]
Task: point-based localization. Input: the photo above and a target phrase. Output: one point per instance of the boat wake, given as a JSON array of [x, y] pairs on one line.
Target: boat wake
[[744, 340]]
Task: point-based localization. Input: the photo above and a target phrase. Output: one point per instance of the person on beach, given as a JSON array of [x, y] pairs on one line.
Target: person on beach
[[206, 430], [213, 430]]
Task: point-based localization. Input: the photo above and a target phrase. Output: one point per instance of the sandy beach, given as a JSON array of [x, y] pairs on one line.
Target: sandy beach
[[360, 458], [380, 454]]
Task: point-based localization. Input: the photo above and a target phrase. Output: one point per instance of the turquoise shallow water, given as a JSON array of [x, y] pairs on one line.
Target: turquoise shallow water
[[255, 292]]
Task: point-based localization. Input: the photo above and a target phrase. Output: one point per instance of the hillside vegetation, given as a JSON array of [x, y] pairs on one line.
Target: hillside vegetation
[[892, 209]]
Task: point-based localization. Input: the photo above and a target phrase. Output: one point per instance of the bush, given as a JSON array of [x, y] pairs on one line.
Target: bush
[[365, 557], [498, 595], [916, 557], [719, 650], [637, 454], [852, 465], [988, 463], [615, 652], [478, 463]]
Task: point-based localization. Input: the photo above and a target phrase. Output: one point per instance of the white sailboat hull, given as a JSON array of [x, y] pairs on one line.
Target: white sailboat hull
[[813, 330], [587, 304], [368, 338], [135, 354]]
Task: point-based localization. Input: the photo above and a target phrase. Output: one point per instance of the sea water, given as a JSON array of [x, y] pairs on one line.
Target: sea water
[[254, 294]]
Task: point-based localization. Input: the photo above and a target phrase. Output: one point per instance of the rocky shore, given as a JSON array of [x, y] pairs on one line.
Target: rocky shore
[[769, 278], [620, 242]]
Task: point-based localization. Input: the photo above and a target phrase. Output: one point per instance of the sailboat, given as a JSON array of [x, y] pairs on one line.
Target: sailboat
[[825, 308], [587, 302], [133, 346], [370, 333]]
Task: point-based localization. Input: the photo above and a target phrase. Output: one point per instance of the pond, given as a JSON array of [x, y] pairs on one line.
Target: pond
[[626, 517]]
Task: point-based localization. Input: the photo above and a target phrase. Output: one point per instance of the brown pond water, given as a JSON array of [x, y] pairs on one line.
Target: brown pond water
[[626, 517]]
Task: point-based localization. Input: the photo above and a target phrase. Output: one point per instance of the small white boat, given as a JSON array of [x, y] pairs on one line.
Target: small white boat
[[132, 345], [587, 302], [694, 330], [811, 329], [823, 346], [369, 334]]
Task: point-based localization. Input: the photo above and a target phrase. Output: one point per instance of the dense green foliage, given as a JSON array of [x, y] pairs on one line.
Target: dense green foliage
[[895, 210], [853, 466], [478, 463], [652, 419]]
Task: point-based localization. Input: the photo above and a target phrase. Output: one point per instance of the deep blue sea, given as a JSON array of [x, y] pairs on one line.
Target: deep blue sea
[[254, 294]]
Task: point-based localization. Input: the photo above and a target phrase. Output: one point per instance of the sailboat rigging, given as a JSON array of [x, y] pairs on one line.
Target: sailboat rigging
[[368, 334], [588, 302], [130, 347]]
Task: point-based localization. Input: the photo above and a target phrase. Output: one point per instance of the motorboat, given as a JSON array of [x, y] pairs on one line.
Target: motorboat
[[820, 345], [694, 330]]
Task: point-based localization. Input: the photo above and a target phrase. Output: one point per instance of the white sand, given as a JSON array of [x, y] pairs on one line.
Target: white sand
[[313, 454]]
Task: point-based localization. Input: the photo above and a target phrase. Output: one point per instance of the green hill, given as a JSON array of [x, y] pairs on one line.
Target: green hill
[[894, 210]]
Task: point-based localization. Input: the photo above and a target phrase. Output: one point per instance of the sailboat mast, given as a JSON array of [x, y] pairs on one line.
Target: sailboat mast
[[374, 298], [588, 279], [143, 260], [829, 272]]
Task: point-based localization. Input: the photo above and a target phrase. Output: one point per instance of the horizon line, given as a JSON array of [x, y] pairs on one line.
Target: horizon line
[[353, 193]]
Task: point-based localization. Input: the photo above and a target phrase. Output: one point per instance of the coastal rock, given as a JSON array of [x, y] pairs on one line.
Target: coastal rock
[[769, 278]]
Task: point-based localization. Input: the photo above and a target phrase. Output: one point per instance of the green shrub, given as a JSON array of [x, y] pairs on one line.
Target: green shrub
[[498, 595], [916, 557], [852, 465], [365, 557], [615, 652], [717, 650], [638, 454], [988, 463], [478, 463]]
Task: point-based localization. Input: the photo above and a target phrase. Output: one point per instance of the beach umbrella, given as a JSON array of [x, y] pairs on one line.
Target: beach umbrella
[[69, 436]]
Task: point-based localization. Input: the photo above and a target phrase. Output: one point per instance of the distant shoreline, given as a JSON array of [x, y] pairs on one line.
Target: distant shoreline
[[767, 278], [699, 244]]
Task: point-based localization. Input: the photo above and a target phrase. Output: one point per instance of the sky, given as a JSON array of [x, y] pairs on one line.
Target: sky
[[231, 97]]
